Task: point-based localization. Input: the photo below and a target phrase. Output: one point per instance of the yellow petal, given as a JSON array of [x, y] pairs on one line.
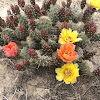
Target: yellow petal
[[60, 77], [73, 80], [76, 65], [67, 80], [70, 65], [64, 33], [74, 35], [97, 8], [62, 41], [69, 32], [94, 3], [58, 70], [78, 39], [88, 2]]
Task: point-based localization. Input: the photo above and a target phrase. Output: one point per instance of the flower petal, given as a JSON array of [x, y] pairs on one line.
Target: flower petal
[[67, 80], [58, 70], [60, 77], [74, 35], [73, 80], [69, 32], [64, 33], [62, 41], [78, 39]]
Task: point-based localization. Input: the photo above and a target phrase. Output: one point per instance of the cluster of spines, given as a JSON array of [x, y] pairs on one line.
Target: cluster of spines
[[21, 3], [46, 5], [15, 9], [88, 55], [29, 13], [2, 23], [83, 3], [22, 67], [37, 11], [32, 2], [61, 14], [53, 2], [97, 72], [90, 29], [57, 60], [32, 24], [68, 15], [47, 49], [87, 13], [69, 3], [44, 35]]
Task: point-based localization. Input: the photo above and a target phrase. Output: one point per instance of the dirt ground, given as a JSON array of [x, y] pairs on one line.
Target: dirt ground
[[42, 84]]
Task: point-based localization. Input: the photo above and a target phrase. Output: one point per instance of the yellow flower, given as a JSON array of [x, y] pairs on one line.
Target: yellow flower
[[69, 72], [94, 3], [68, 36]]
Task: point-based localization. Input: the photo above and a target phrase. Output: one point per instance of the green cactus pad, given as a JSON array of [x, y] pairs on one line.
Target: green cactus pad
[[45, 23], [53, 13]]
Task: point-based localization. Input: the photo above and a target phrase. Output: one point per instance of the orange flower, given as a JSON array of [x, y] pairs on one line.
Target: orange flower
[[67, 52], [11, 49]]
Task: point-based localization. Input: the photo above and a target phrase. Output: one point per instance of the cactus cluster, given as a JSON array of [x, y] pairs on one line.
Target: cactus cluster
[[36, 32]]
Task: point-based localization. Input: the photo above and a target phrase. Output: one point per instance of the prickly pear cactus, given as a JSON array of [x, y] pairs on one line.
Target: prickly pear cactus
[[36, 32]]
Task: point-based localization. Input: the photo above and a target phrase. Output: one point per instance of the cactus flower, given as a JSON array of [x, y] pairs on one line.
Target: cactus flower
[[68, 36], [11, 49], [68, 72], [67, 52], [94, 3]]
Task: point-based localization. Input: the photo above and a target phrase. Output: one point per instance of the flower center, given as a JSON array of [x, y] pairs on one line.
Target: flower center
[[69, 39], [68, 73]]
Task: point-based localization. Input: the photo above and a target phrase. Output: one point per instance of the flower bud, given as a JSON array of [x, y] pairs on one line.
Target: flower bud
[[47, 5], [44, 12], [31, 52], [12, 8], [29, 13], [61, 14], [18, 67], [87, 26], [44, 35], [22, 28], [57, 60], [8, 20], [2, 23], [68, 15], [8, 12], [37, 11], [26, 63], [47, 49], [21, 3], [69, 12], [7, 38], [93, 29], [15, 20], [63, 4], [9, 23], [97, 72], [69, 3], [53, 2], [17, 11], [32, 24], [64, 25]]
